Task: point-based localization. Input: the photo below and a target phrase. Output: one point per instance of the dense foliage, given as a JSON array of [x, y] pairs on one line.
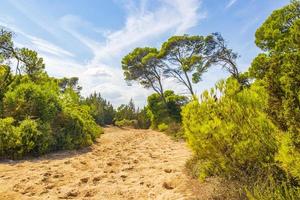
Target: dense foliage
[[231, 135], [165, 112], [279, 69], [39, 113], [251, 134]]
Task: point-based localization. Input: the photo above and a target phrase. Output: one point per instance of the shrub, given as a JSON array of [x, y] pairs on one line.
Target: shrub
[[271, 189], [126, 123], [289, 156], [40, 120], [31, 100], [143, 119], [75, 128], [8, 137], [232, 136], [27, 138], [162, 127], [165, 112]]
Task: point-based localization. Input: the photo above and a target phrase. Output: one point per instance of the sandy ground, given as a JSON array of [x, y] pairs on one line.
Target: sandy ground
[[123, 164]]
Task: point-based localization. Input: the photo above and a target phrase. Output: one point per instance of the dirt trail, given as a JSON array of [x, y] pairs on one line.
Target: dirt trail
[[123, 164]]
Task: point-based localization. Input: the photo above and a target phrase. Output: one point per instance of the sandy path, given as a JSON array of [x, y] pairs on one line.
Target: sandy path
[[123, 164]]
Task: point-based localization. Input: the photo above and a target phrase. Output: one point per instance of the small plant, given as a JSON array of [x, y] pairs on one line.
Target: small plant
[[126, 123], [162, 127]]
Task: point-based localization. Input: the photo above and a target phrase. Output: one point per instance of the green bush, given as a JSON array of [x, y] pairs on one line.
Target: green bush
[[33, 101], [25, 138], [231, 135], [162, 127], [74, 127], [289, 156], [271, 189], [41, 120], [165, 112], [126, 123], [8, 137]]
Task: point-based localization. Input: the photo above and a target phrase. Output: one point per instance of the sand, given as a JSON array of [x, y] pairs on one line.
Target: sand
[[123, 164]]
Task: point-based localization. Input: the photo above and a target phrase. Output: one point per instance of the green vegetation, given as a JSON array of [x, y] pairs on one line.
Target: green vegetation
[[247, 128], [39, 113], [232, 136], [101, 110], [251, 134], [129, 116]]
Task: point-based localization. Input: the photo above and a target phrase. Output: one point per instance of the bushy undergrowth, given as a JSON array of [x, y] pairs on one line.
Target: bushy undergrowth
[[39, 113], [17, 140], [231, 135], [127, 123], [39, 119], [162, 127]]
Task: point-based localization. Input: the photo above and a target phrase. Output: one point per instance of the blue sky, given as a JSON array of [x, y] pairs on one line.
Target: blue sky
[[88, 38]]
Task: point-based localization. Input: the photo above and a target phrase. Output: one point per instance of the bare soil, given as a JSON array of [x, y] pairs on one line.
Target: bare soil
[[123, 164]]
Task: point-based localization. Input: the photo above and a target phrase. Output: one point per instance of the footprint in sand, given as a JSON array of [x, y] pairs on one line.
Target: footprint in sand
[[84, 180], [96, 179], [168, 186]]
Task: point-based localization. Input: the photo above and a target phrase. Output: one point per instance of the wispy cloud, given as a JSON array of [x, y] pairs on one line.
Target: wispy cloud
[[35, 15], [230, 3], [143, 26]]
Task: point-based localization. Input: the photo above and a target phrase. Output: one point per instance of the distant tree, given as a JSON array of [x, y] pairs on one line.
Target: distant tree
[[32, 65], [143, 66], [126, 111], [71, 83], [101, 110], [186, 58], [143, 118]]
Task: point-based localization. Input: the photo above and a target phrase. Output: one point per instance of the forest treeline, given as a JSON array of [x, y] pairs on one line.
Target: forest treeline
[[246, 129]]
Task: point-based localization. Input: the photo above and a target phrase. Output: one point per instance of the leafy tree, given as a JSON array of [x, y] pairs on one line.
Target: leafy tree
[[279, 69], [6, 45], [224, 56], [142, 65], [32, 65], [183, 55]]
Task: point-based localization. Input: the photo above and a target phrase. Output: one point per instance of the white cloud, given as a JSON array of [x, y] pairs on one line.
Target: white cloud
[[141, 26], [47, 47], [230, 3]]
